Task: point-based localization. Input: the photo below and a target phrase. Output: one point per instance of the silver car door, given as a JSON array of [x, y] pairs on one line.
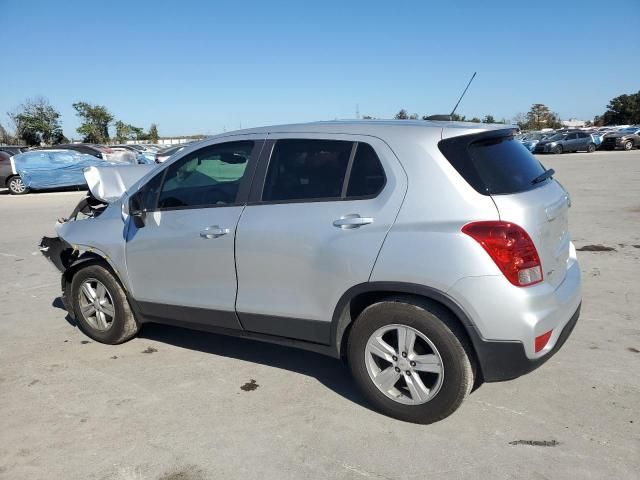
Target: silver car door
[[181, 263]]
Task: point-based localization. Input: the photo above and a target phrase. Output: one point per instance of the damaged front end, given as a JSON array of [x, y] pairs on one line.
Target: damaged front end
[[96, 229]]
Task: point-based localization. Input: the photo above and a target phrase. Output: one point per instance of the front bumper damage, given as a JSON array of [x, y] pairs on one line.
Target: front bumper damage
[[58, 252], [62, 255]]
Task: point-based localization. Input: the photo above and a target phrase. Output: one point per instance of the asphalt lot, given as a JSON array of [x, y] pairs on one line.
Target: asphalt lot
[[169, 404]]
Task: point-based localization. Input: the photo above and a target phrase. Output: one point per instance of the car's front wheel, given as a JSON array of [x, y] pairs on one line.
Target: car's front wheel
[[16, 186], [628, 145], [410, 359], [557, 149], [101, 307], [591, 148]]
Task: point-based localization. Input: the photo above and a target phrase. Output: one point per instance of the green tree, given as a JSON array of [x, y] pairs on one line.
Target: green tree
[[623, 109], [5, 137], [402, 115], [488, 119], [475, 120], [125, 132], [153, 133], [540, 116], [95, 122], [36, 122]]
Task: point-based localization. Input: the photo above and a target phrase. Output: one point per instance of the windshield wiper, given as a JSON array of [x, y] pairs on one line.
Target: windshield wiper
[[543, 176]]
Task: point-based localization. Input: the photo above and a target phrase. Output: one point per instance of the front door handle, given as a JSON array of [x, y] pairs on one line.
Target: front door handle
[[350, 221], [214, 231]]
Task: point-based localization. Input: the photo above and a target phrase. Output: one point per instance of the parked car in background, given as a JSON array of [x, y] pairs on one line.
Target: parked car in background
[[626, 138], [13, 149], [530, 140], [51, 168], [329, 236], [572, 141], [99, 151], [134, 155], [163, 155], [9, 177]]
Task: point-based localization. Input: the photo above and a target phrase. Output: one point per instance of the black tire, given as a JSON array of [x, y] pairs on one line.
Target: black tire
[[557, 149], [628, 145], [591, 148], [442, 329], [123, 326], [16, 186]]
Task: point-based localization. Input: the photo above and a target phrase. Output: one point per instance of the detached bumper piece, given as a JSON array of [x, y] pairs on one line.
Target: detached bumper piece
[[58, 252]]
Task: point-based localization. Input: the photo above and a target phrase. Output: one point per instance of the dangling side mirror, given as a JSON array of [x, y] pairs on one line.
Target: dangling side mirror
[[136, 211]]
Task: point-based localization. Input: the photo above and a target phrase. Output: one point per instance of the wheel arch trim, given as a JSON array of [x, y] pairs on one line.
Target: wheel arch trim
[[342, 319]]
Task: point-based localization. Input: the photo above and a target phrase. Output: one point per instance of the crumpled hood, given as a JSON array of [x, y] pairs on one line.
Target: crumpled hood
[[108, 183]]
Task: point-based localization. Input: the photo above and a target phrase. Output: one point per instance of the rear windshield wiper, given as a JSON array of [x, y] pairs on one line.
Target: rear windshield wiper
[[543, 176]]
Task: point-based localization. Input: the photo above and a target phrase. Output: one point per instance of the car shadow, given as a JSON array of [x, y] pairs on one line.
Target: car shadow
[[332, 373]]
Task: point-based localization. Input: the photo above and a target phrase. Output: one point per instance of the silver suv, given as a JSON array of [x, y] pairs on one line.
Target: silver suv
[[431, 256]]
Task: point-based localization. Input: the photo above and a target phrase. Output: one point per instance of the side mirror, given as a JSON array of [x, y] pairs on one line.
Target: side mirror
[[136, 211]]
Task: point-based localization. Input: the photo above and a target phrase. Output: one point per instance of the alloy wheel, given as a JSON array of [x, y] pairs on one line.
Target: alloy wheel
[[96, 304], [404, 364], [16, 185]]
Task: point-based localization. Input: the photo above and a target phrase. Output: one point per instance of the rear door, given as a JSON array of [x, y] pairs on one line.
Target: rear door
[[582, 141], [321, 207]]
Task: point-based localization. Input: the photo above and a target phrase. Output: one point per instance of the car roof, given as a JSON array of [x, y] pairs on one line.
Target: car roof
[[368, 127]]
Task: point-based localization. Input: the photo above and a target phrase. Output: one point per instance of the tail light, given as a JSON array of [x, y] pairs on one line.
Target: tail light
[[511, 249]]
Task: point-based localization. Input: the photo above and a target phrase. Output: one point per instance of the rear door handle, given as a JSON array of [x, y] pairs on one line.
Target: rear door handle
[[350, 221], [214, 231]]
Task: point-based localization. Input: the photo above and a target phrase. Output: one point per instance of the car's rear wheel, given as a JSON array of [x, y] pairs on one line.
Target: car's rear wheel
[[410, 359], [628, 145], [591, 148], [101, 307], [557, 149], [16, 186]]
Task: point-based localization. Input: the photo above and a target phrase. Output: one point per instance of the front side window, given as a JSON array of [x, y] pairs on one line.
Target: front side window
[[210, 176], [307, 170]]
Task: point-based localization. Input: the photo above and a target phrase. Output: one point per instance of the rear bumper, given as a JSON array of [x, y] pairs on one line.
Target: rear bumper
[[500, 360]]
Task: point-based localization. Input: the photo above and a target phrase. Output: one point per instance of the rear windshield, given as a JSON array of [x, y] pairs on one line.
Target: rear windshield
[[493, 165]]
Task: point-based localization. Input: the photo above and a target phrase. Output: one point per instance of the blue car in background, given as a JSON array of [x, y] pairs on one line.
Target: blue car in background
[[47, 169]]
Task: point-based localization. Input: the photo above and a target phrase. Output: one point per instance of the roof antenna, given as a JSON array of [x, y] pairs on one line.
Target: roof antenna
[[450, 116], [465, 91]]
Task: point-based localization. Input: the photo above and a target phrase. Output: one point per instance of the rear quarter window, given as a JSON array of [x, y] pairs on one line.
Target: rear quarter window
[[493, 165]]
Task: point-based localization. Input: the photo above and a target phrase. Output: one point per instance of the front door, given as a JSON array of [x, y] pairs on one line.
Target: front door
[[313, 230], [181, 263]]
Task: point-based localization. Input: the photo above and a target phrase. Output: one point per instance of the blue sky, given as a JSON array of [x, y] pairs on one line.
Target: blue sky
[[204, 66]]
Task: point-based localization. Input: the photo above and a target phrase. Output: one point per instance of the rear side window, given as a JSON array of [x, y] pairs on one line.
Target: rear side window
[[493, 165], [307, 170], [367, 176]]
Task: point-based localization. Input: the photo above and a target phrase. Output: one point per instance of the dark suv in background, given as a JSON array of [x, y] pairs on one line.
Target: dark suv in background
[[627, 138]]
